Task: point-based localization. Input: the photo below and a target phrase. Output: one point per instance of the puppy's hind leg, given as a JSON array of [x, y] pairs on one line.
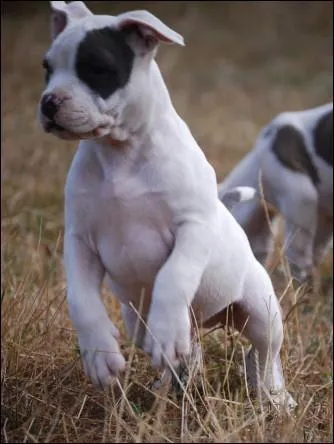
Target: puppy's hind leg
[[258, 316], [134, 325]]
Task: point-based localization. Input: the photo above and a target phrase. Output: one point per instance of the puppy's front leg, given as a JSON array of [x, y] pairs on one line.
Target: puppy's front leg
[[169, 336], [96, 333]]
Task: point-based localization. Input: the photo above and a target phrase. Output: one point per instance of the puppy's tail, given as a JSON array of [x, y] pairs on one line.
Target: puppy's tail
[[236, 195]]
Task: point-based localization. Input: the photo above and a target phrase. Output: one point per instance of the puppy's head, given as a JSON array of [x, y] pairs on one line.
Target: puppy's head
[[97, 70]]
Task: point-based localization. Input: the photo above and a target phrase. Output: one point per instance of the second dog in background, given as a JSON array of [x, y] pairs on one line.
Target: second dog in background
[[293, 160]]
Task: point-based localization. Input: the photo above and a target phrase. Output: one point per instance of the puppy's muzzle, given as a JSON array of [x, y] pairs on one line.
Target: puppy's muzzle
[[49, 106]]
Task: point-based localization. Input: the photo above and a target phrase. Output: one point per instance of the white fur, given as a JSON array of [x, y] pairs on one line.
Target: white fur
[[306, 208], [142, 211], [236, 195]]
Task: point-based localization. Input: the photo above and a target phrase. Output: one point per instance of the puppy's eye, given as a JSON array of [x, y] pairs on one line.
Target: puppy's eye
[[48, 70]]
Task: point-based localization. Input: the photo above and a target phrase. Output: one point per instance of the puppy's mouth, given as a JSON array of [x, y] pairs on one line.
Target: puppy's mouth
[[66, 134], [49, 126]]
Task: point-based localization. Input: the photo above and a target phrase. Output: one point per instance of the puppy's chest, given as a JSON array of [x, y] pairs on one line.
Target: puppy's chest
[[129, 225]]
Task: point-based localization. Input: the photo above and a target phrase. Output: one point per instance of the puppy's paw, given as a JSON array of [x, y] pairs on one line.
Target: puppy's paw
[[168, 337], [188, 371], [101, 356], [273, 389], [283, 400]]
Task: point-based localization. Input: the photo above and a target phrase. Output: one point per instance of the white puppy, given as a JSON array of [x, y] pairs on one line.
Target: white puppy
[[142, 207], [293, 159]]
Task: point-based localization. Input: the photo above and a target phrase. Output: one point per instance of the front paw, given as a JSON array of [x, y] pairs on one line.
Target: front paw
[[168, 339], [100, 353]]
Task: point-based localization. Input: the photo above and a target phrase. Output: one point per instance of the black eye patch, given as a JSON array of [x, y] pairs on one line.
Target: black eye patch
[[104, 61], [48, 70]]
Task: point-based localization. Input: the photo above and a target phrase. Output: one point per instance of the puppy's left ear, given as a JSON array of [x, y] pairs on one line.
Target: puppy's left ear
[[63, 13], [151, 30]]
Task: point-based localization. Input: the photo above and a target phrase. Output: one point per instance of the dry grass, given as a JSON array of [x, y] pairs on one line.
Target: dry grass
[[243, 63]]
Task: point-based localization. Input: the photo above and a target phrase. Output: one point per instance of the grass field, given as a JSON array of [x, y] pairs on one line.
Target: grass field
[[243, 63]]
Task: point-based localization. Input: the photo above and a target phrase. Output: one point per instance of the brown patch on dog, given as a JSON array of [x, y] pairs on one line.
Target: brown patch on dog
[[289, 148], [323, 138]]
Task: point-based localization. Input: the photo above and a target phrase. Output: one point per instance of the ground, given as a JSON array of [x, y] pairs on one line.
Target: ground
[[243, 63]]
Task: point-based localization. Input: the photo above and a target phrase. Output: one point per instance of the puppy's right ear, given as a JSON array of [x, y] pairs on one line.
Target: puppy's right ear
[[63, 13]]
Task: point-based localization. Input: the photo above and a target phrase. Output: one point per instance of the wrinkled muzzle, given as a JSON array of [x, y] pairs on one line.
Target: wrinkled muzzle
[[72, 116]]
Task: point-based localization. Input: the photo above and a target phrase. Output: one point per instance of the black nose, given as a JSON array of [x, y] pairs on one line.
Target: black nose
[[49, 106]]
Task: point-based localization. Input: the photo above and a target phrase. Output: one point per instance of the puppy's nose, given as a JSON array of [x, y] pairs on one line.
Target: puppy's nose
[[49, 105]]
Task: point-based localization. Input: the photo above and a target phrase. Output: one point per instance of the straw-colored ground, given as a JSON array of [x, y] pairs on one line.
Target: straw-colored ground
[[243, 63]]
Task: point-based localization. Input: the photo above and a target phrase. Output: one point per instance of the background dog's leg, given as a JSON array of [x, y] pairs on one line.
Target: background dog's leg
[[321, 247], [299, 209], [294, 194], [323, 237]]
